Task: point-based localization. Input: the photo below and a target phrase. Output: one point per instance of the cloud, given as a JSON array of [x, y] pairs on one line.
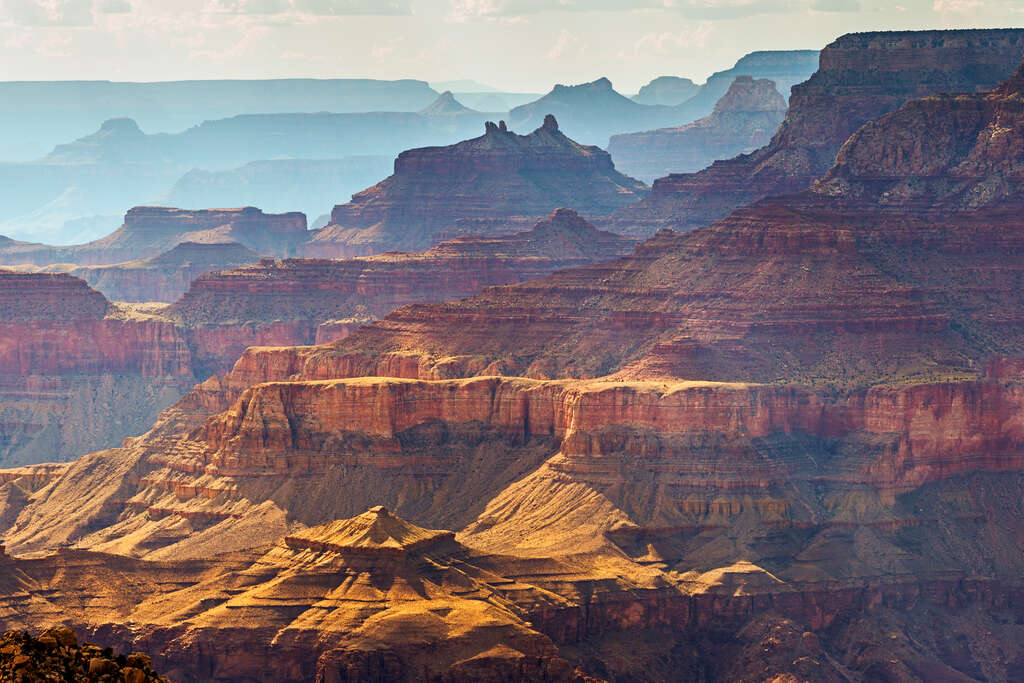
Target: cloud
[[669, 43], [835, 5], [353, 7], [956, 5], [313, 7], [565, 42], [248, 6], [113, 7], [464, 10], [47, 12]]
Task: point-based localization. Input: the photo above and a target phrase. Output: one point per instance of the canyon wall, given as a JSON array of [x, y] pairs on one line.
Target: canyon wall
[[861, 76], [74, 378]]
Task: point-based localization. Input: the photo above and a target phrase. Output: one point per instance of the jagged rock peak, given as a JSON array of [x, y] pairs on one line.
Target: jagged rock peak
[[550, 123], [490, 127], [376, 531]]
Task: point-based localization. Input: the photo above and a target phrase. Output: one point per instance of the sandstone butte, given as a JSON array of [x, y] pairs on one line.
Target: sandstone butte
[[861, 77], [789, 445], [743, 120], [496, 179], [78, 373]]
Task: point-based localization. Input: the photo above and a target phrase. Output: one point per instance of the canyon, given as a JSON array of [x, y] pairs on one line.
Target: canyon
[[861, 77], [62, 397], [785, 446]]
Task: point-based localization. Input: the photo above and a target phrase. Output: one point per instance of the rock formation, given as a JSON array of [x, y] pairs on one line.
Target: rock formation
[[789, 445], [149, 231], [56, 655], [743, 120], [861, 77], [499, 175], [80, 374], [785, 67], [302, 301], [446, 105], [75, 373]]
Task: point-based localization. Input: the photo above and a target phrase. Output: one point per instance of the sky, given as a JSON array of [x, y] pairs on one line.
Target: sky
[[515, 45]]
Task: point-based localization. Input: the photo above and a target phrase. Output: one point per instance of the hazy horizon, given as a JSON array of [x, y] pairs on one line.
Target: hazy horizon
[[516, 45]]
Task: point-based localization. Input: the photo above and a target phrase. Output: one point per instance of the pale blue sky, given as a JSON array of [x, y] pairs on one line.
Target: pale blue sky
[[524, 45]]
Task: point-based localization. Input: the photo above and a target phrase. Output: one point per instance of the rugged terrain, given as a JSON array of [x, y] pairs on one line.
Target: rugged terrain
[[743, 120], [861, 77], [81, 373], [76, 374], [499, 177], [786, 446], [306, 301]]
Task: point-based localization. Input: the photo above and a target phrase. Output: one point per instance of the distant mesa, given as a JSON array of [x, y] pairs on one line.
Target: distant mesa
[[667, 90], [307, 300], [151, 230], [164, 277], [590, 112]]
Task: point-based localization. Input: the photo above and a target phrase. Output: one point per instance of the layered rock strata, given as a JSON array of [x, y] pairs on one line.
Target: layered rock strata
[[376, 598], [74, 374], [743, 120], [788, 445], [861, 77], [500, 175], [302, 301]]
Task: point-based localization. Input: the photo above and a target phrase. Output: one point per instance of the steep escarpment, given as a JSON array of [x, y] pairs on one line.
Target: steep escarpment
[[499, 175], [743, 120], [149, 231], [74, 374], [861, 77], [690, 507]]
